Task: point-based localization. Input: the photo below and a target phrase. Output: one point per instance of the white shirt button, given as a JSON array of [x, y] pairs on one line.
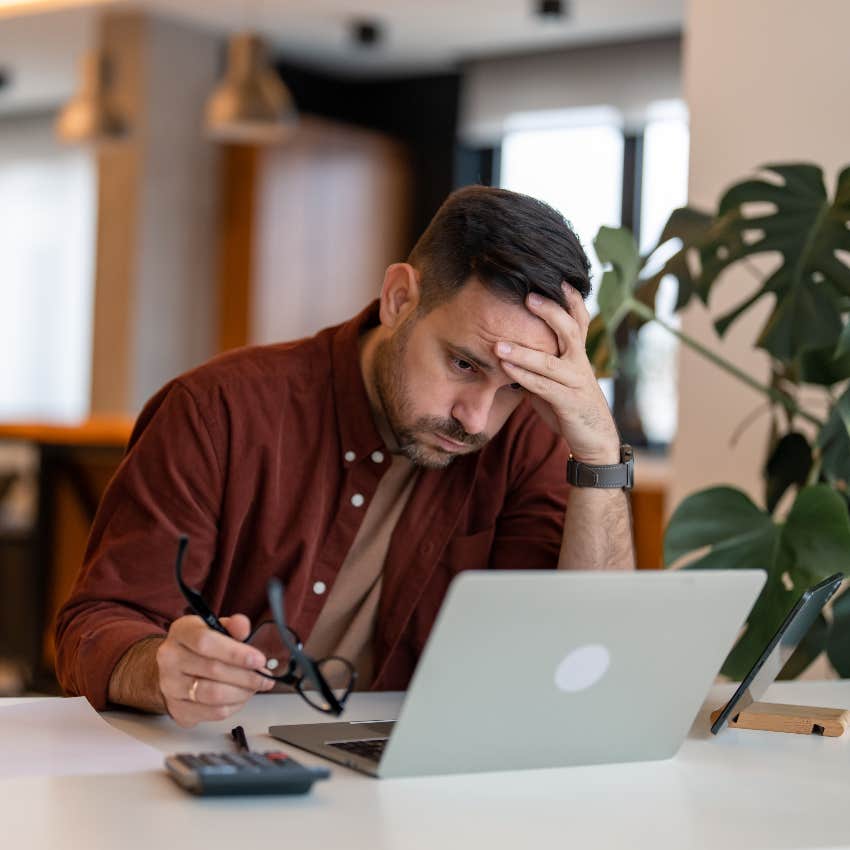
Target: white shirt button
[[319, 588], [357, 500], [378, 457], [350, 456]]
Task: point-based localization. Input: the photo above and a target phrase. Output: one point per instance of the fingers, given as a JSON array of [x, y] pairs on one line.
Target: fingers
[[187, 714], [184, 662], [205, 675], [238, 625], [534, 381], [192, 633], [577, 309], [570, 325], [211, 693], [521, 363]]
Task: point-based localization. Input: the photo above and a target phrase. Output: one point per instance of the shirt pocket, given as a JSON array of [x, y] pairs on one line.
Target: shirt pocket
[[468, 551]]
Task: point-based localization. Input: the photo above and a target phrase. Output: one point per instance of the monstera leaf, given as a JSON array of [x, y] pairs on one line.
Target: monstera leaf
[[838, 644], [614, 246], [692, 228], [601, 348], [834, 443], [622, 290], [807, 229], [789, 463], [812, 543]]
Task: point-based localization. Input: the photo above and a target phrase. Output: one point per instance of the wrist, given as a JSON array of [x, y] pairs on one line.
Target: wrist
[[602, 455], [601, 458], [135, 680]]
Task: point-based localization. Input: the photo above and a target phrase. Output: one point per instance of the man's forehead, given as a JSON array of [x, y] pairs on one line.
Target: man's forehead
[[477, 319]]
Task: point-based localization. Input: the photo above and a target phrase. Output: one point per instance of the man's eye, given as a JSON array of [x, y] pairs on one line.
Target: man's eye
[[515, 386], [463, 365]]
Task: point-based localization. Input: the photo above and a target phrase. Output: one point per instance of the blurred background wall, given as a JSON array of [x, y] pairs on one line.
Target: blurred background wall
[[128, 259]]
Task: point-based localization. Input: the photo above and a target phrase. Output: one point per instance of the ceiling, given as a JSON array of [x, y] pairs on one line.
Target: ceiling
[[419, 35], [422, 35], [41, 41]]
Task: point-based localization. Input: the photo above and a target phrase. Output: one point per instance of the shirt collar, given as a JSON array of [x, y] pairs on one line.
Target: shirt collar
[[355, 423]]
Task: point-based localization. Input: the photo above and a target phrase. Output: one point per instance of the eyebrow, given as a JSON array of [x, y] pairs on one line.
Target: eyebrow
[[466, 354]]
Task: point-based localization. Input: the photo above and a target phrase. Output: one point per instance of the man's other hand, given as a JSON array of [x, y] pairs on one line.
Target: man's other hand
[[205, 675]]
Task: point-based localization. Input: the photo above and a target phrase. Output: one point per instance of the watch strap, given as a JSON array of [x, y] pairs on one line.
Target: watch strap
[[613, 476]]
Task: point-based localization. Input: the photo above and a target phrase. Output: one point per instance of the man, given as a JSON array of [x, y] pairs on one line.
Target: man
[[364, 467]]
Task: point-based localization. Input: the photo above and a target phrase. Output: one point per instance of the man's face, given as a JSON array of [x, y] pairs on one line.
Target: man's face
[[438, 378]]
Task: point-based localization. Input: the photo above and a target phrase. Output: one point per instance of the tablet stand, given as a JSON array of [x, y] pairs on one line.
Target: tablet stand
[[799, 719]]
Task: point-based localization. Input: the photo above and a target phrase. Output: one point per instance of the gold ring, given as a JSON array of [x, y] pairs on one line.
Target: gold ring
[[193, 691]]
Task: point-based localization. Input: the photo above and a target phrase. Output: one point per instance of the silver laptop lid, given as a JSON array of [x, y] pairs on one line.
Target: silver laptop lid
[[542, 669]]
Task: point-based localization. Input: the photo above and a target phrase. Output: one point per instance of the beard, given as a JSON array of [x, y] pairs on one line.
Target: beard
[[392, 391]]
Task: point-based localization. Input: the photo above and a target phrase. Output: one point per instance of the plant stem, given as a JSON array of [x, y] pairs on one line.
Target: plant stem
[[814, 472], [775, 395]]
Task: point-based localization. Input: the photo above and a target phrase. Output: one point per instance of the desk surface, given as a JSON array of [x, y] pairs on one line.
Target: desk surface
[[97, 431], [742, 789]]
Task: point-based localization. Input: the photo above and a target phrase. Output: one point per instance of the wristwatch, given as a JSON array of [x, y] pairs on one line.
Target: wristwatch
[[613, 476]]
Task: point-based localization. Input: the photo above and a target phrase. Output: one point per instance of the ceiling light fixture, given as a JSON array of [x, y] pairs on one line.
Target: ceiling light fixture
[[89, 116], [551, 9], [250, 105], [366, 33]]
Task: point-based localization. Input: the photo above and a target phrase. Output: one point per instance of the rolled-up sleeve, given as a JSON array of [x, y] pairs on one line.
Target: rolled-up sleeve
[[168, 484]]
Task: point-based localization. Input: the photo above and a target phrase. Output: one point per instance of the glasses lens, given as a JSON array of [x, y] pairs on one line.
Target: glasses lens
[[266, 637], [340, 676]]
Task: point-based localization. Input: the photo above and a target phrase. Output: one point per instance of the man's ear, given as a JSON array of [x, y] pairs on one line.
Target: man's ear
[[399, 294]]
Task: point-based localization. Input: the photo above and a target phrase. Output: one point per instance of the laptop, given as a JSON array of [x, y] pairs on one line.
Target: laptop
[[532, 669]]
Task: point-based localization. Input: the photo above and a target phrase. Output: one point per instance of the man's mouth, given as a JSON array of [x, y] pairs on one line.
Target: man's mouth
[[448, 444]]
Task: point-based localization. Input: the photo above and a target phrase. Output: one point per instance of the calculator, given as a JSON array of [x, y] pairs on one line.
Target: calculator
[[220, 774]]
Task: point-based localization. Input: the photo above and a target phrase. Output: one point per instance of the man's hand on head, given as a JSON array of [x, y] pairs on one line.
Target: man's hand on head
[[564, 388]]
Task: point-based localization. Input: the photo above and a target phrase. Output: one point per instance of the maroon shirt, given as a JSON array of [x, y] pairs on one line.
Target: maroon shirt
[[247, 455]]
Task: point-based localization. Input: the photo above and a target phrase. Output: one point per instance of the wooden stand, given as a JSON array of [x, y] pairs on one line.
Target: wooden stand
[[799, 719]]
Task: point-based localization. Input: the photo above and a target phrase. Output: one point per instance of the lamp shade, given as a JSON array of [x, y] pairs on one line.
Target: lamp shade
[[88, 116], [251, 105]]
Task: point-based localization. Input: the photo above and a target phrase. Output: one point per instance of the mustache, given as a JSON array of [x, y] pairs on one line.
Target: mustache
[[452, 429]]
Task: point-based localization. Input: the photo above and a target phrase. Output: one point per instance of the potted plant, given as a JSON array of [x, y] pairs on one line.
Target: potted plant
[[786, 212]]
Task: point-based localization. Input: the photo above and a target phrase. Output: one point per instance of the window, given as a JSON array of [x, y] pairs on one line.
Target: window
[[47, 206], [664, 187], [573, 161], [577, 161]]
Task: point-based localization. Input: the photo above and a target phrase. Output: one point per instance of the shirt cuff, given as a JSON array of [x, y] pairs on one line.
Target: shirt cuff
[[100, 652]]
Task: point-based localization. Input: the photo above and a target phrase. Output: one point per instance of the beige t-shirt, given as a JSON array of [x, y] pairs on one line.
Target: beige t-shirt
[[346, 624]]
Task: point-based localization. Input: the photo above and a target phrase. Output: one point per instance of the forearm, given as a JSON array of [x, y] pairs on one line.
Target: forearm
[[597, 531], [135, 680]]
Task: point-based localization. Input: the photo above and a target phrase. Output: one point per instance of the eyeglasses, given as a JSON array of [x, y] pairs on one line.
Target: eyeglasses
[[324, 684]]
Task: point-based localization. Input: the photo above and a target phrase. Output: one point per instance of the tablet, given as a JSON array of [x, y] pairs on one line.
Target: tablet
[[780, 648]]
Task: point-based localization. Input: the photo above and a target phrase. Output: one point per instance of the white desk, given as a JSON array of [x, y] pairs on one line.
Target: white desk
[[743, 789]]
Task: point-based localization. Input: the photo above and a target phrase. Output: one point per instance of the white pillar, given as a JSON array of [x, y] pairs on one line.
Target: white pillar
[[766, 81]]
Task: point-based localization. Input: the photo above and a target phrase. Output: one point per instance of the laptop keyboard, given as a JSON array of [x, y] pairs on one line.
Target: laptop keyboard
[[371, 748]]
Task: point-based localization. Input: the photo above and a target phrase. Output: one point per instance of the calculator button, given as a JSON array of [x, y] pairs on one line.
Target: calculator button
[[217, 769], [258, 760]]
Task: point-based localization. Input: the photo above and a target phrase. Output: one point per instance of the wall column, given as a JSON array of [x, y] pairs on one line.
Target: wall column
[[155, 288]]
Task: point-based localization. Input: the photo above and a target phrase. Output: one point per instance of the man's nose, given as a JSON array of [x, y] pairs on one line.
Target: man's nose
[[473, 411]]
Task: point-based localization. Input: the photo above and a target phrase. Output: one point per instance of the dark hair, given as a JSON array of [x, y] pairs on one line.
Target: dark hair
[[513, 243]]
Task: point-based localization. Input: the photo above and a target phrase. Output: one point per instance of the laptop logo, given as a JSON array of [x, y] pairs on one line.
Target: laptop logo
[[582, 668]]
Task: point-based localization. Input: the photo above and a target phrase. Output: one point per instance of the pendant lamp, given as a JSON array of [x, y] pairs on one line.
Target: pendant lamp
[[251, 105], [88, 116]]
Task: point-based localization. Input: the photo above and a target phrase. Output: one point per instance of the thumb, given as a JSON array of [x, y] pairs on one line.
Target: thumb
[[238, 625]]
